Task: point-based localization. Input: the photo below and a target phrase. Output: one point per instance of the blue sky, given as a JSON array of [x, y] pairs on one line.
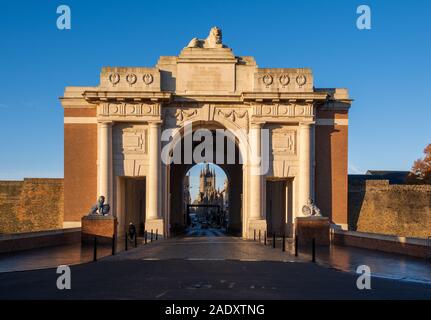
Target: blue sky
[[386, 69]]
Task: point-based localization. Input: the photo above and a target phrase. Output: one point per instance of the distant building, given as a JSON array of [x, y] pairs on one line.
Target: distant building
[[186, 192], [394, 177], [208, 192]]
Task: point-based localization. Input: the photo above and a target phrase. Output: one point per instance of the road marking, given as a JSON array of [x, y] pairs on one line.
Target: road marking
[[205, 259], [161, 294]]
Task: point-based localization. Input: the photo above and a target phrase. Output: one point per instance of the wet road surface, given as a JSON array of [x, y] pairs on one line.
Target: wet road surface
[[218, 267]]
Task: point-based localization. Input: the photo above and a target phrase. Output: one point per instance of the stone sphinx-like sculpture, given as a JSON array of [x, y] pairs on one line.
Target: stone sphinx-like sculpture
[[100, 208], [214, 40], [310, 209]]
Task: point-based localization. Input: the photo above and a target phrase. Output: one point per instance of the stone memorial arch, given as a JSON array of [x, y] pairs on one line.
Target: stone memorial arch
[[113, 138]]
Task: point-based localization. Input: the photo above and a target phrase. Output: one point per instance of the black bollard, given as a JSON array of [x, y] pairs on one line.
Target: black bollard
[[151, 235], [126, 239], [259, 237], [113, 244], [264, 238], [283, 245], [145, 236], [273, 240], [296, 245], [136, 240], [157, 234], [313, 250], [95, 249]]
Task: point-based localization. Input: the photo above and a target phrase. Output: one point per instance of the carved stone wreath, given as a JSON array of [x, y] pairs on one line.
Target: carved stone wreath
[[301, 80], [267, 79], [114, 78], [284, 80], [148, 78], [131, 79]]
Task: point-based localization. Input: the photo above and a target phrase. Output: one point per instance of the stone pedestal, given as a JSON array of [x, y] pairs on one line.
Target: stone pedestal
[[104, 227], [308, 228], [157, 225], [257, 225]]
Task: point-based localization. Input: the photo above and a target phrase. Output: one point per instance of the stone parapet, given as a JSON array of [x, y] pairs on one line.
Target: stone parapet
[[386, 243], [103, 227]]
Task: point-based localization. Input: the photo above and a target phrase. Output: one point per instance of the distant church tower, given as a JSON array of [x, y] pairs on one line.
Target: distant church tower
[[207, 183], [208, 192]]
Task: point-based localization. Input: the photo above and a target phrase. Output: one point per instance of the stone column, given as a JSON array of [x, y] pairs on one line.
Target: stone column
[[154, 171], [306, 167], [256, 216], [104, 156], [256, 180]]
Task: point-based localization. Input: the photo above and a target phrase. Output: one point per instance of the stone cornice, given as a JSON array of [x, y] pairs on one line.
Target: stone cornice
[[227, 98], [289, 96], [76, 103], [343, 105], [121, 96], [98, 96]]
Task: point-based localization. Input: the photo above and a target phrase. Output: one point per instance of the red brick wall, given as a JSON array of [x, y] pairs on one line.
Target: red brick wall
[[80, 166], [331, 167]]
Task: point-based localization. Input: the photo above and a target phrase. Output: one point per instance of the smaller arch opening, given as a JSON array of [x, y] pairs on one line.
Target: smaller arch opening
[[206, 200]]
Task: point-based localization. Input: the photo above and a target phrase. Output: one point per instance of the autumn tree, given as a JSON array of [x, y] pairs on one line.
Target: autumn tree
[[421, 170]]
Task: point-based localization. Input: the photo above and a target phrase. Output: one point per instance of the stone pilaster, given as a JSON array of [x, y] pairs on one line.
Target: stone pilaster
[[256, 217], [154, 220], [104, 183], [306, 164]]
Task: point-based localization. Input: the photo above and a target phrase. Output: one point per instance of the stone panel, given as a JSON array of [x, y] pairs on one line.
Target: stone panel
[[130, 149]]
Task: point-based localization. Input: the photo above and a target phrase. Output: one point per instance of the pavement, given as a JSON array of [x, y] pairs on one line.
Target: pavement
[[214, 267]]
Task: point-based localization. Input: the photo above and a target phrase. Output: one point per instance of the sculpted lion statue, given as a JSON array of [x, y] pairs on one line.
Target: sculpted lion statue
[[214, 40], [310, 209]]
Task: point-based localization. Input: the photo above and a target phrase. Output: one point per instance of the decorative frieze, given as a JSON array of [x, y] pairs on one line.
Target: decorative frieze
[[128, 109], [238, 117], [283, 110], [134, 78], [233, 118], [283, 80], [184, 115]]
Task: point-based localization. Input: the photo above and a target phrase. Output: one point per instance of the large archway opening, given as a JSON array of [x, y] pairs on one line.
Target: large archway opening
[[221, 203]]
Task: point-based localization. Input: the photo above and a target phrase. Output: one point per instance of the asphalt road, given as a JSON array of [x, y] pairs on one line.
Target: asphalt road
[[179, 274]]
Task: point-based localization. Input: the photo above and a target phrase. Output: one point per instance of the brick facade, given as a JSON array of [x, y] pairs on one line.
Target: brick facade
[[331, 167], [80, 165]]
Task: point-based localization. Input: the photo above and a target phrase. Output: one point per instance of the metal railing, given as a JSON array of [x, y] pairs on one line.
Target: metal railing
[[127, 239]]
